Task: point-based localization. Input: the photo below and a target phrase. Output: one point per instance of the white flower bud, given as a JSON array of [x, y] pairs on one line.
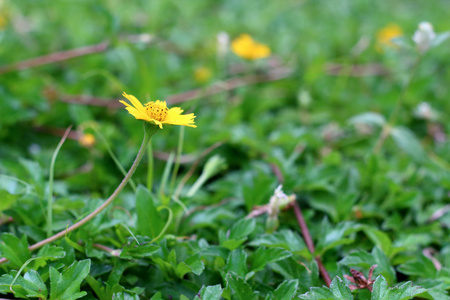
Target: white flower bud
[[223, 43], [424, 36]]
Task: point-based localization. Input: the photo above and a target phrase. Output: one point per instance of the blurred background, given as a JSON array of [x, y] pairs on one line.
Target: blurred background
[[67, 63]]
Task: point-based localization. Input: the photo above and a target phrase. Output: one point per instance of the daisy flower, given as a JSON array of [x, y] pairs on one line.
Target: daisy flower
[[244, 46], [157, 112]]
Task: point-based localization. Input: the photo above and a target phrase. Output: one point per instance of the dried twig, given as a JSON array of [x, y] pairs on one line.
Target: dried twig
[[277, 171], [223, 86], [231, 84], [54, 57], [113, 252], [373, 69], [72, 53], [203, 207], [73, 135]]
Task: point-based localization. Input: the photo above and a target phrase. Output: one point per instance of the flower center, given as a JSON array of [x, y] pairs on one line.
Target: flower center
[[156, 110]]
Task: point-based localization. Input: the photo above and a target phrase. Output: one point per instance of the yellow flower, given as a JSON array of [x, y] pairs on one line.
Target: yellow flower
[[87, 140], [244, 46], [156, 112], [3, 22], [386, 34], [202, 74]]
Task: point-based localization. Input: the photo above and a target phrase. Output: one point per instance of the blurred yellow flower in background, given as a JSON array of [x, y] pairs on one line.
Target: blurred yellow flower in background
[[385, 36], [244, 46], [3, 22], [87, 140], [202, 74], [157, 112]]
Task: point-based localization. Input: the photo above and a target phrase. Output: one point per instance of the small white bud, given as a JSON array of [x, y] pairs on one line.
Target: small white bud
[[425, 111], [223, 43], [424, 36]]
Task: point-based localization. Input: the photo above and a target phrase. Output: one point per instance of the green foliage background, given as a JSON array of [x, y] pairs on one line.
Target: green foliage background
[[362, 207]]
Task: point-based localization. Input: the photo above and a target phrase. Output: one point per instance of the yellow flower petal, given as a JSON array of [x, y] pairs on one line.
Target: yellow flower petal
[[244, 46], [385, 36], [87, 140], [157, 112], [136, 103]]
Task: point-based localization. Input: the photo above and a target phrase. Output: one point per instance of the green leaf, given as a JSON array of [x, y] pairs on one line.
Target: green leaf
[[14, 249], [233, 244], [125, 296], [157, 296], [33, 168], [66, 285], [242, 229], [238, 234], [369, 118], [135, 250], [284, 238], [380, 289], [340, 290], [193, 264], [262, 256], [358, 258], [286, 290], [237, 262], [408, 142], [30, 285], [240, 290], [336, 236], [316, 293], [213, 292], [406, 291], [149, 220], [51, 252], [291, 268], [8, 199], [420, 266], [39, 289], [384, 266], [379, 238]]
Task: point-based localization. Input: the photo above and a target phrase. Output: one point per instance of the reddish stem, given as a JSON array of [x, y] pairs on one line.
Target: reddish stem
[[309, 242], [111, 251]]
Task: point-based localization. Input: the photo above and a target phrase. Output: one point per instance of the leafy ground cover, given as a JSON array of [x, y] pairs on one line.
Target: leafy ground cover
[[319, 168]]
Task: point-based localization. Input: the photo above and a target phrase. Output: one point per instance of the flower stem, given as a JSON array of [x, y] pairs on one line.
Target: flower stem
[[113, 157], [50, 183], [149, 131], [150, 168], [177, 158], [309, 242]]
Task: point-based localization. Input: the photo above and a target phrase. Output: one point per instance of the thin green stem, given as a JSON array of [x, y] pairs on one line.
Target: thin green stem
[[385, 131], [114, 158], [150, 167], [165, 178], [176, 167], [149, 131], [169, 220], [50, 183], [197, 185]]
